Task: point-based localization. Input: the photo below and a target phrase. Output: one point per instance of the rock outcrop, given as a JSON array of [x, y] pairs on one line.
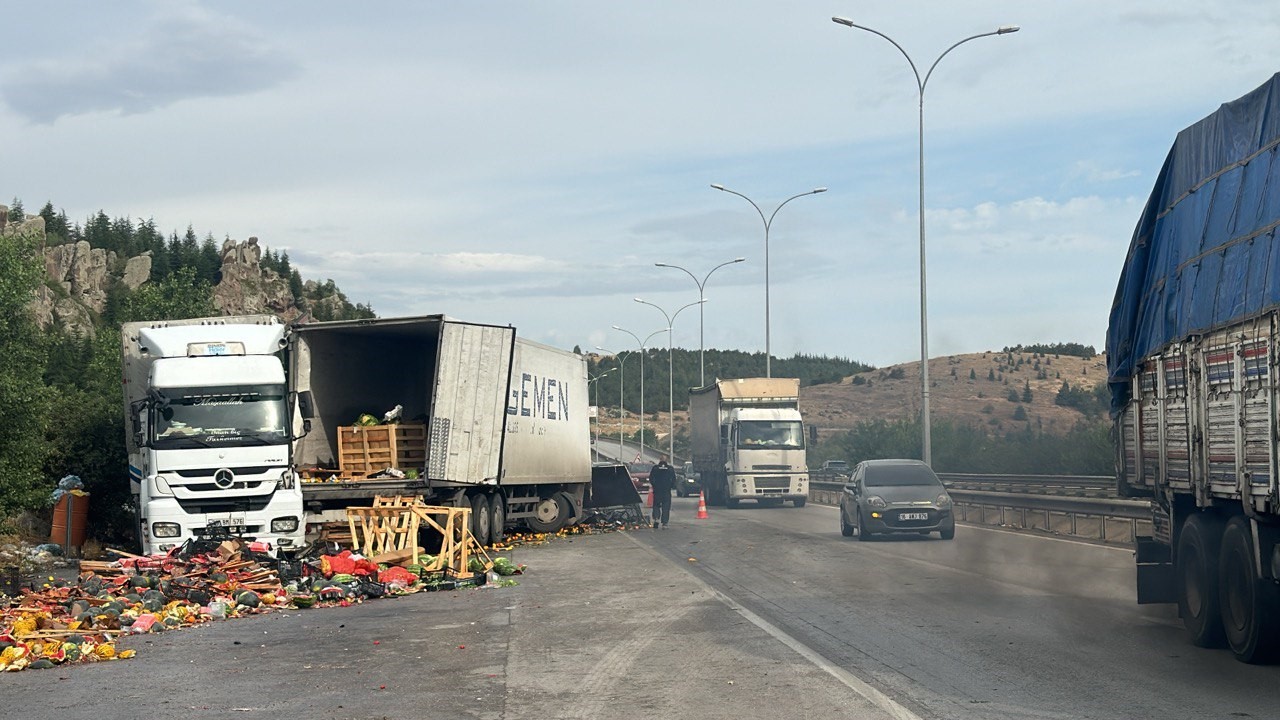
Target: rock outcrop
[[247, 288]]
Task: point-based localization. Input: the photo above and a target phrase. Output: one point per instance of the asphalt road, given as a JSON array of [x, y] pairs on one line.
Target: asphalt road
[[752, 613], [993, 624]]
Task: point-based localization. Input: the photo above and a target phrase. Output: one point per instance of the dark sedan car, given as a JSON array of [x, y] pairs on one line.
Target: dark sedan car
[[895, 496]]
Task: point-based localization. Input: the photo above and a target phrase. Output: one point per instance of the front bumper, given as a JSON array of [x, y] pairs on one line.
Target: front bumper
[[252, 526], [890, 519]]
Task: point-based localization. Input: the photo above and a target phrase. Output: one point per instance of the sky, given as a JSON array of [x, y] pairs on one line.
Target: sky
[[527, 164]]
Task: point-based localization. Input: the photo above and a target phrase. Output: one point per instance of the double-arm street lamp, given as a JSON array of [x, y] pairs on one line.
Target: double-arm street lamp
[[768, 372], [924, 324], [642, 344], [671, 373], [702, 285], [622, 377]]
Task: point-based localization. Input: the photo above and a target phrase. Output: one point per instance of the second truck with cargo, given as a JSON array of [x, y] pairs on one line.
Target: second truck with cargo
[[748, 441]]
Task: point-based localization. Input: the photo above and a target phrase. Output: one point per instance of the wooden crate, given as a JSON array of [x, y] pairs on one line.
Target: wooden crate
[[365, 450]]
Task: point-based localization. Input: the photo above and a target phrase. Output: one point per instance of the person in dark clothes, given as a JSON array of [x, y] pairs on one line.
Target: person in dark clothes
[[662, 478]]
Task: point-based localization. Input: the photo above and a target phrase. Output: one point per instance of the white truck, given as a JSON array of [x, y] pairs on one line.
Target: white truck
[[748, 441], [506, 419], [208, 432]]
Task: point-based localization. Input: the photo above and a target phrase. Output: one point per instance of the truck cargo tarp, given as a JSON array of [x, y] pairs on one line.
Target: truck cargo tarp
[[1203, 255]]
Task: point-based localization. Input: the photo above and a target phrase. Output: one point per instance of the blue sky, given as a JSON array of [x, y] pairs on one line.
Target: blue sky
[[527, 164]]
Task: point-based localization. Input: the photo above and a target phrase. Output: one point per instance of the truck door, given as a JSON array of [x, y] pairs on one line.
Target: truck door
[[469, 402]]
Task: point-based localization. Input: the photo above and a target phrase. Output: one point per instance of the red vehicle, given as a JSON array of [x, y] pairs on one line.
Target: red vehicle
[[639, 475]]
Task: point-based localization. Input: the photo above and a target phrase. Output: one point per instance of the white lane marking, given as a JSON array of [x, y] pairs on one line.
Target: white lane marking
[[1020, 534], [846, 678]]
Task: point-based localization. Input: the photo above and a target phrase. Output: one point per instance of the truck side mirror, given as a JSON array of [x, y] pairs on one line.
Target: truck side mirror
[[306, 406], [137, 422]]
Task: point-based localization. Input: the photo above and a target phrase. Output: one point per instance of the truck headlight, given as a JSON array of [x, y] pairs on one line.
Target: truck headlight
[[166, 530], [284, 524]]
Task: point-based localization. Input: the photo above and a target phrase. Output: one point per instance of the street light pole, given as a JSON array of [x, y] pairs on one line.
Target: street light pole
[[702, 369], [595, 380], [641, 343], [768, 372], [671, 374], [622, 378], [924, 313]]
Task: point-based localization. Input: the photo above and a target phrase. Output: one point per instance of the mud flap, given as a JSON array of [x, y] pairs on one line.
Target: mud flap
[[1156, 579]]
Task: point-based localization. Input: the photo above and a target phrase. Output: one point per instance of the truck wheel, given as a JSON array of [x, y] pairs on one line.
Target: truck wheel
[[800, 501], [1197, 579], [731, 502], [1247, 604], [549, 515], [497, 518], [575, 514], [480, 519]]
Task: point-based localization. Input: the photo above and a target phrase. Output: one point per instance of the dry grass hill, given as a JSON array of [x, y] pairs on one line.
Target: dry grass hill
[[971, 389], [961, 391]]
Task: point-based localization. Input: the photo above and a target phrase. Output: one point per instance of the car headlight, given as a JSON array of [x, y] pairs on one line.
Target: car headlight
[[284, 524], [944, 500], [876, 501], [166, 530]]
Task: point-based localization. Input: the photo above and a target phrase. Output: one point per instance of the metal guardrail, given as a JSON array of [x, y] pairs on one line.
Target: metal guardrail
[[1109, 519], [1075, 485]]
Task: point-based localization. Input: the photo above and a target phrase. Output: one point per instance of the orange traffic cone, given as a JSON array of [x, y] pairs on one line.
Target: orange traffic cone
[[702, 506], [649, 499]]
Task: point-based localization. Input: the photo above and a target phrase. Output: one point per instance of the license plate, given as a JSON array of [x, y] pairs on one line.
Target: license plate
[[914, 516], [230, 524]]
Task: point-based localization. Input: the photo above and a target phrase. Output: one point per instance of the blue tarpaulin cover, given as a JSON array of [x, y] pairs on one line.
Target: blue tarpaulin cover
[[1204, 254]]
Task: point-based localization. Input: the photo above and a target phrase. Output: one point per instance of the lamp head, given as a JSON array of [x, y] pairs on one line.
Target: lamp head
[[819, 190], [1006, 29], [842, 21], [717, 186], [738, 260]]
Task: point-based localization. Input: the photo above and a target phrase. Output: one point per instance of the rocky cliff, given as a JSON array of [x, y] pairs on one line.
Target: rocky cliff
[[79, 277]]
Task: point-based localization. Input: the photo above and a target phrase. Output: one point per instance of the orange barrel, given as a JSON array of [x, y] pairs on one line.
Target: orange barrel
[[77, 519]]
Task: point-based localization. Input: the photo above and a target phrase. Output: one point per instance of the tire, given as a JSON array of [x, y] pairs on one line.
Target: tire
[[497, 518], [800, 501], [480, 520], [574, 514], [550, 514], [731, 502], [863, 532], [1246, 602], [948, 532], [1196, 579], [845, 528]]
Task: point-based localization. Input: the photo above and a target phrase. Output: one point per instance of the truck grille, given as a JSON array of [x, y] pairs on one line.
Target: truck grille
[[775, 468], [773, 483]]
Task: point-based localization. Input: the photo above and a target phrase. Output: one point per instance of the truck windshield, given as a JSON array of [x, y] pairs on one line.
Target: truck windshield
[[781, 434], [219, 417]]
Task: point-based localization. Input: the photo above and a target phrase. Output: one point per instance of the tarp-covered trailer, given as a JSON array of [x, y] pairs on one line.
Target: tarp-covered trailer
[[1192, 363]]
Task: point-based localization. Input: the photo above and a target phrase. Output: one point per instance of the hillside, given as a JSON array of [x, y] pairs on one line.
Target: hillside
[[965, 397], [960, 392]]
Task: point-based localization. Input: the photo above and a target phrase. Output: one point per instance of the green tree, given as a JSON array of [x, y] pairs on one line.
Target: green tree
[[16, 213], [1026, 391], [24, 399]]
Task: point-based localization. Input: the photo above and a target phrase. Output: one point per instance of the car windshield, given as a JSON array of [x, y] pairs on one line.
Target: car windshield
[[900, 475]]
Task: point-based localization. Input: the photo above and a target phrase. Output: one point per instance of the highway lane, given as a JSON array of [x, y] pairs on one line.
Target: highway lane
[[994, 624]]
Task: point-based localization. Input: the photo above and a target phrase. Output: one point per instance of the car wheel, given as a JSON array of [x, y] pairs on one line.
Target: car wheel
[[800, 502], [845, 528], [864, 533], [948, 532]]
